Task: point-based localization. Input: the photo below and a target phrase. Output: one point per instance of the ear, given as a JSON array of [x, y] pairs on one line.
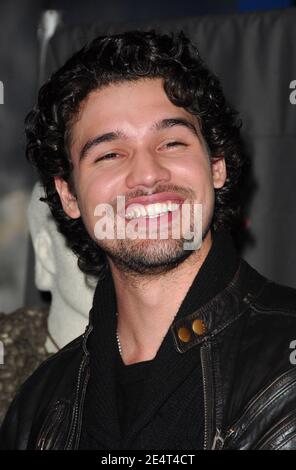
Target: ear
[[68, 200], [218, 171]]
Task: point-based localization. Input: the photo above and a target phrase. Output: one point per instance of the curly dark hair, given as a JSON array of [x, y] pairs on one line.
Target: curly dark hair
[[117, 58]]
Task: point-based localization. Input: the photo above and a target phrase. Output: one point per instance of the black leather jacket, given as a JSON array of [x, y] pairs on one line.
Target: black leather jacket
[[249, 379]]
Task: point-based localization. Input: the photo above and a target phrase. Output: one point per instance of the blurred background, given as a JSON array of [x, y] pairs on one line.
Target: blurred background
[[22, 68]]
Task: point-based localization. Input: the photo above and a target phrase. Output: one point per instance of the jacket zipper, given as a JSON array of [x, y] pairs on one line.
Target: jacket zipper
[[79, 415], [205, 356], [276, 431], [218, 441], [78, 404]]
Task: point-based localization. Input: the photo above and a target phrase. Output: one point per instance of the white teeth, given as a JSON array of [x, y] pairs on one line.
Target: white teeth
[[151, 210], [141, 211]]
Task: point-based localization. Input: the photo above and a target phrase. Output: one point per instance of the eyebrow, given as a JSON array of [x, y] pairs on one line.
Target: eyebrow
[[118, 134]]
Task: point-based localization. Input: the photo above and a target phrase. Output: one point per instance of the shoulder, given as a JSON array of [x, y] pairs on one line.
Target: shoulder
[[277, 298], [269, 329], [264, 294], [54, 380], [58, 368], [263, 341]]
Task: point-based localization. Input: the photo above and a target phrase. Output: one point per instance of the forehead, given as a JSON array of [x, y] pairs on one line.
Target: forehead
[[131, 106]]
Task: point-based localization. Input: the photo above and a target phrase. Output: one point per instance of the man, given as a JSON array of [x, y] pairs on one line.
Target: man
[[185, 348]]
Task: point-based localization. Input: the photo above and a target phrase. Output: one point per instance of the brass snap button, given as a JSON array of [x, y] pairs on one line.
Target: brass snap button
[[184, 334], [198, 327]]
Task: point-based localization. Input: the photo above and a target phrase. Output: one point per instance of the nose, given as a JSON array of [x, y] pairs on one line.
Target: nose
[[146, 171]]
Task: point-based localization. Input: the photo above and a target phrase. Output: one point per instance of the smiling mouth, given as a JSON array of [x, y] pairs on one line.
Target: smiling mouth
[[151, 211]]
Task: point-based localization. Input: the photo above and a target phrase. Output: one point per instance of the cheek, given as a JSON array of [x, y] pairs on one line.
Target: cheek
[[198, 176], [94, 186], [92, 190], [196, 173]]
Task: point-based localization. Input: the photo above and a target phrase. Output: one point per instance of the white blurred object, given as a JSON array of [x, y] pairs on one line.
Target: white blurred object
[[50, 19], [49, 22], [56, 270]]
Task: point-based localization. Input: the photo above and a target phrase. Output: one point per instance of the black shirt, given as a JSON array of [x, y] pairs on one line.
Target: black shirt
[[132, 380]]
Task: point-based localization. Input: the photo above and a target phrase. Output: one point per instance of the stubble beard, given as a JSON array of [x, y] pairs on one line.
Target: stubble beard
[[149, 257], [146, 257]]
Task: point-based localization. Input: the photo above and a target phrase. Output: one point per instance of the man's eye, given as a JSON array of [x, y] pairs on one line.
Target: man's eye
[[174, 144], [108, 156]]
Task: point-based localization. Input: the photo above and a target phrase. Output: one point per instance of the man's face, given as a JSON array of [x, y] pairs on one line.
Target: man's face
[[155, 153]]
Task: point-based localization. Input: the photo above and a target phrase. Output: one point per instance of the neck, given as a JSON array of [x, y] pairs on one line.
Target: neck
[[148, 306], [65, 323]]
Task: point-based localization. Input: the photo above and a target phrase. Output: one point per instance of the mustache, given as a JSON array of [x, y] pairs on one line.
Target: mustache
[[187, 193]]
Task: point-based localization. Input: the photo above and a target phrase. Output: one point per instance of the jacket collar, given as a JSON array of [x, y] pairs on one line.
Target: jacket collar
[[203, 312], [209, 319]]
